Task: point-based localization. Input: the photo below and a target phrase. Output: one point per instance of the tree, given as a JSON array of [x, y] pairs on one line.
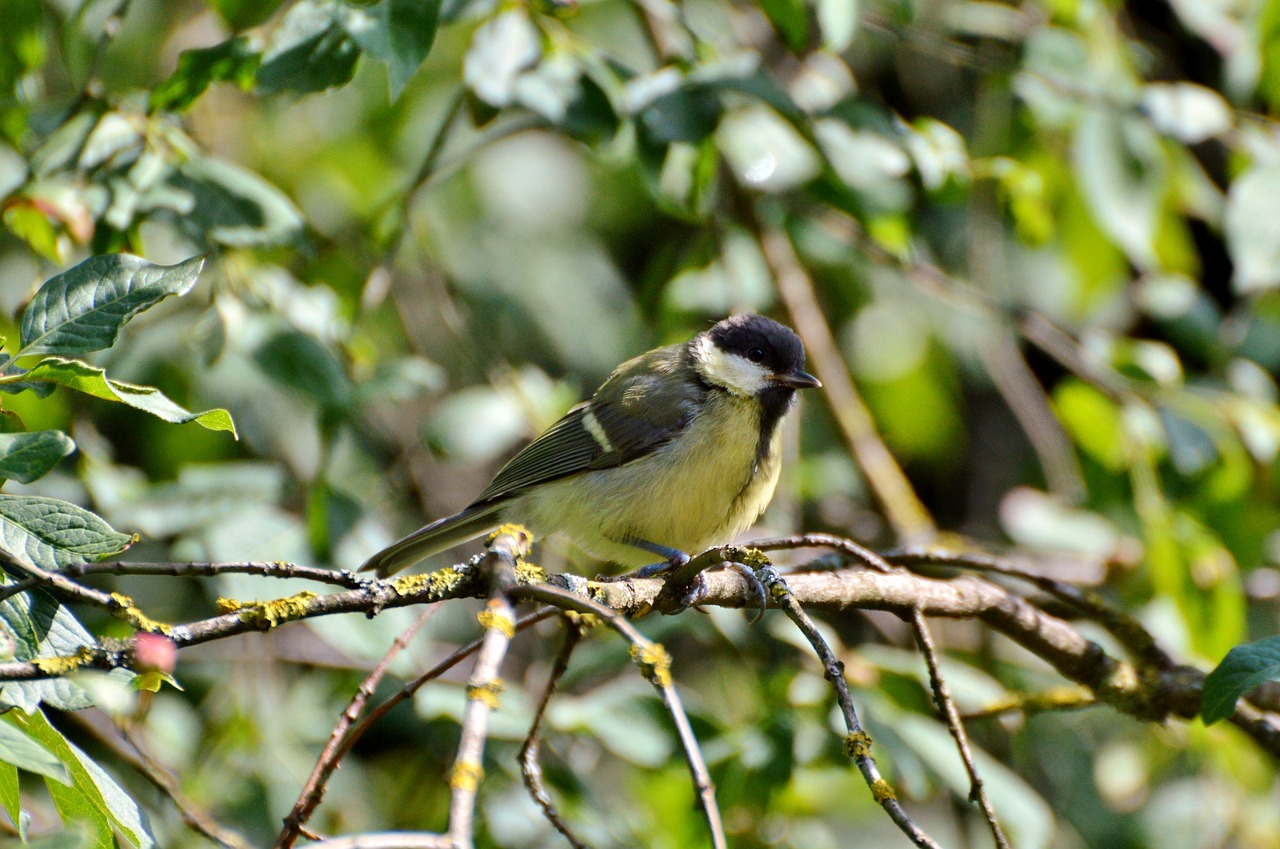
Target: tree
[[1031, 251]]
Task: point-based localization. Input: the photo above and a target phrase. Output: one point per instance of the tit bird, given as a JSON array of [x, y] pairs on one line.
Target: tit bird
[[677, 451]]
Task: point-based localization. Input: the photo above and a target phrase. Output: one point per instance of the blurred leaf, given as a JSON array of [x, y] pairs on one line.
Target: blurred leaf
[[1244, 668], [838, 22], [1188, 112], [301, 362], [1191, 449], [93, 794], [234, 60], [18, 748], [84, 308], [30, 224], [91, 380], [791, 20], [309, 51], [397, 32], [1092, 420], [1253, 228], [501, 50], [1122, 171], [25, 457], [234, 206], [242, 14], [765, 151], [10, 792]]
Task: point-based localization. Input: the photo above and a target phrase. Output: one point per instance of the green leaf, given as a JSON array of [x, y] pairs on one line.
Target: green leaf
[[1122, 171], [17, 747], [52, 534], [310, 50], [301, 362], [501, 50], [93, 794], [234, 206], [234, 60], [396, 32], [84, 308], [38, 626], [1244, 668], [10, 792], [91, 380], [33, 226], [25, 457], [1252, 226], [791, 20]]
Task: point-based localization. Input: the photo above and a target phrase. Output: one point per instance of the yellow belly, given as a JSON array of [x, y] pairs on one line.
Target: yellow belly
[[702, 489]]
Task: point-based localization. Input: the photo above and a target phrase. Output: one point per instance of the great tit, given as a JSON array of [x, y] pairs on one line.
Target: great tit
[[676, 452]]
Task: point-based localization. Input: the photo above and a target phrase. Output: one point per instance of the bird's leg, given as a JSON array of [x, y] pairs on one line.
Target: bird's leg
[[674, 561]]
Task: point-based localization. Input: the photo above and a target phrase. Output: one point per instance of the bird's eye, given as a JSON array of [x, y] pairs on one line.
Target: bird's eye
[[756, 354]]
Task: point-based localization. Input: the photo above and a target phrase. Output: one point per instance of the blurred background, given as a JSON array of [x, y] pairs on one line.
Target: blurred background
[[1041, 239]]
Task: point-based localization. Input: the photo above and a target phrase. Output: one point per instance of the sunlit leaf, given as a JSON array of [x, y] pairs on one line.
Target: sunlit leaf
[[234, 206], [38, 626], [1253, 228], [309, 51], [1188, 112], [25, 457], [93, 794], [18, 748], [1244, 668], [500, 51], [234, 60], [91, 380], [397, 32], [84, 308]]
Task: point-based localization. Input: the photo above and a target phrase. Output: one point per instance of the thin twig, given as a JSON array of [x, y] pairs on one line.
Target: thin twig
[[260, 568], [388, 840], [858, 741], [947, 707], [843, 545], [313, 791], [903, 508], [530, 769]]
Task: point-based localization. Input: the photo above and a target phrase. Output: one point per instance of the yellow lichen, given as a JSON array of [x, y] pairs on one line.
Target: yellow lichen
[[440, 584], [128, 611], [496, 616], [857, 744], [530, 573], [584, 622], [63, 664], [881, 791], [755, 558], [466, 775], [654, 662], [487, 693], [268, 614]]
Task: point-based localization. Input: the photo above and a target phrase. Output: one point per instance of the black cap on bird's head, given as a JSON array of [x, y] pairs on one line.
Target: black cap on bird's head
[[751, 355]]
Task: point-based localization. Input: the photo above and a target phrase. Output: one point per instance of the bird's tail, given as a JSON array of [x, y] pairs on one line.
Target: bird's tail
[[437, 536]]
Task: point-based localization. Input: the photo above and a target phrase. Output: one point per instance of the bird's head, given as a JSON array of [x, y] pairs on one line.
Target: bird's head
[[752, 355]]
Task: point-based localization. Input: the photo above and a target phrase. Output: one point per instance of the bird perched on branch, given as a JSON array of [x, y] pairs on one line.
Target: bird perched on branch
[[676, 452]]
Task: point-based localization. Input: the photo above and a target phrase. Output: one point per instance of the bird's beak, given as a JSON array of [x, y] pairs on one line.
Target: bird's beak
[[797, 380]]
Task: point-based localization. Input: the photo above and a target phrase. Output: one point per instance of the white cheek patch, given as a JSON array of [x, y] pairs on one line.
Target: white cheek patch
[[737, 374]]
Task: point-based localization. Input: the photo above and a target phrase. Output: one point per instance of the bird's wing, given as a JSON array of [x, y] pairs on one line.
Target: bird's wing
[[637, 410]]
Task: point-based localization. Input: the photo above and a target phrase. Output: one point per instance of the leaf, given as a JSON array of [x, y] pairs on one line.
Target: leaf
[[838, 23], [396, 32], [310, 51], [84, 308], [790, 18], [41, 627], [10, 795], [52, 534], [17, 747], [1122, 171], [500, 51], [1244, 668], [93, 793], [234, 206], [1188, 112], [1252, 226], [301, 362], [25, 457], [91, 380], [234, 60], [28, 222]]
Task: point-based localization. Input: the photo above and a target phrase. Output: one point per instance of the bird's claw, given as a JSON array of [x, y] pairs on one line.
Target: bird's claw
[[755, 585]]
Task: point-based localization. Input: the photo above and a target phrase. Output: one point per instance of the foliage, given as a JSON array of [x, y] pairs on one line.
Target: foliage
[[1041, 240]]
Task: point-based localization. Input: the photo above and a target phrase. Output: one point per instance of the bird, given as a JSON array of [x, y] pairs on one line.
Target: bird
[[677, 451]]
